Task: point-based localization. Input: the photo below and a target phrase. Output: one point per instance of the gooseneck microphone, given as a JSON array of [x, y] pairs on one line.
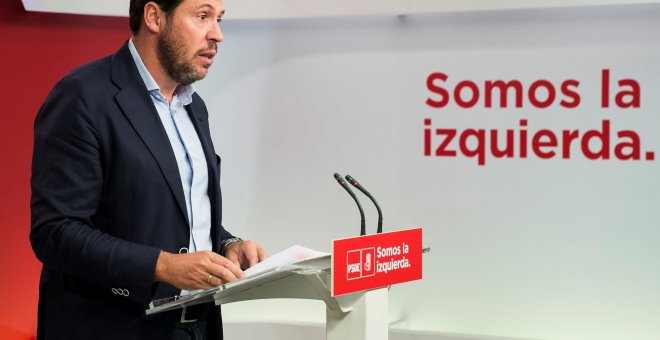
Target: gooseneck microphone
[[364, 191], [350, 192]]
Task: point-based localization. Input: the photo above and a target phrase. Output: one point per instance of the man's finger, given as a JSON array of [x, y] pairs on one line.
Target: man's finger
[[222, 264], [252, 255], [262, 254], [225, 274]]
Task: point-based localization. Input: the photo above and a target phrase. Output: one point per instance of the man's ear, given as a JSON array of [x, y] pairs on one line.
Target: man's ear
[[153, 17]]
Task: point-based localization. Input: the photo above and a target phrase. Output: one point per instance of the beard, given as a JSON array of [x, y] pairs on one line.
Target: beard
[[171, 54]]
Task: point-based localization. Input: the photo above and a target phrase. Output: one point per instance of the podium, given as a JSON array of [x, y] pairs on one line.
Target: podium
[[356, 316]]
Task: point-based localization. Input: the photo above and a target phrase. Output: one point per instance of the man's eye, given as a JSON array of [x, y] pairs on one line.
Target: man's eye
[[202, 17]]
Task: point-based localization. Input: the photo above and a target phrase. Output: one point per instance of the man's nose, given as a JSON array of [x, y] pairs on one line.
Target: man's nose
[[215, 34]]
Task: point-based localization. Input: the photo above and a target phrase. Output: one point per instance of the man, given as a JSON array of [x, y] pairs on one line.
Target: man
[[126, 204]]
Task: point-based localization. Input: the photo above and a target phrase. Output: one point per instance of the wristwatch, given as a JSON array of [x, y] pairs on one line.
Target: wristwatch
[[227, 242]]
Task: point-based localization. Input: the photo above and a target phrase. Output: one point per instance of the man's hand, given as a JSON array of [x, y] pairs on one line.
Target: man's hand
[[245, 254], [199, 270]]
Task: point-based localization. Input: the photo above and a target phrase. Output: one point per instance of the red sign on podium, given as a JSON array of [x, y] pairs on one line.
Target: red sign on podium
[[374, 261]]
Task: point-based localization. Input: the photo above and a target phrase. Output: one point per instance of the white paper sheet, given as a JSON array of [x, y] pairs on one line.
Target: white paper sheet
[[286, 257]]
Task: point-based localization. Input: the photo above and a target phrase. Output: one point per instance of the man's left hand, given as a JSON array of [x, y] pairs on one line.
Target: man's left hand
[[245, 254]]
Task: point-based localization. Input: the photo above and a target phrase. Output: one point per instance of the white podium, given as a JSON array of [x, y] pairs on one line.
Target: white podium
[[355, 316]]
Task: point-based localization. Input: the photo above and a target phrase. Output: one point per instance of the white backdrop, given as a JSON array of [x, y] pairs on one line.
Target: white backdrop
[[269, 9], [529, 248]]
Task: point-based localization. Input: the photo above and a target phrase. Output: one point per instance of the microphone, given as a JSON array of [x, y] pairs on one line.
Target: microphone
[[364, 191], [350, 192]]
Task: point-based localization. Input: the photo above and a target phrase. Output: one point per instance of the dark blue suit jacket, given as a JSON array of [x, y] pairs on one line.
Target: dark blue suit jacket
[[106, 199]]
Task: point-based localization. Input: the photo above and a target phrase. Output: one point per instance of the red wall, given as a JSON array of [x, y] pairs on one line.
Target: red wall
[[37, 49]]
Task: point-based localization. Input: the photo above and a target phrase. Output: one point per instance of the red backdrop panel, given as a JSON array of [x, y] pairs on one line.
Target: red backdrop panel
[[37, 49]]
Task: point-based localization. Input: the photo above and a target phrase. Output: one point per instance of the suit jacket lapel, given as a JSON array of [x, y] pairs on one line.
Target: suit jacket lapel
[[135, 101]]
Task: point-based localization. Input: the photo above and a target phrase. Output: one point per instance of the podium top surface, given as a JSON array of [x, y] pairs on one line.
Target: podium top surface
[[272, 277]]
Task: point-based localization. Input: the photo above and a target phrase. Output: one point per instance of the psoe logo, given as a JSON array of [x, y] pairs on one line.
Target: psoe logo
[[360, 263]]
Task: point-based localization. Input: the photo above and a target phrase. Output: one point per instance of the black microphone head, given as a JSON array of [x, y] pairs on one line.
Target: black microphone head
[[342, 183], [352, 180]]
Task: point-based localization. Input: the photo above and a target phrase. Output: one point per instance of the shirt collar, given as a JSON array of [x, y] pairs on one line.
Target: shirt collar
[[183, 93]]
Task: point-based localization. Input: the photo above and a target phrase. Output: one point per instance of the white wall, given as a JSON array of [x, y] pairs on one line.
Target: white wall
[[263, 9], [529, 248]]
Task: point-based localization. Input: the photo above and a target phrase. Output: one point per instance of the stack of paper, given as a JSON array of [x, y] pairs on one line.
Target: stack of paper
[[286, 257]]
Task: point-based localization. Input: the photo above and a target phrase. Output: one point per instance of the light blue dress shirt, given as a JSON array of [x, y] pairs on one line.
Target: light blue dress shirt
[[188, 152]]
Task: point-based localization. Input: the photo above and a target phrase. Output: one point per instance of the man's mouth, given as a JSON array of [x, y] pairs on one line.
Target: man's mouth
[[207, 56]]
